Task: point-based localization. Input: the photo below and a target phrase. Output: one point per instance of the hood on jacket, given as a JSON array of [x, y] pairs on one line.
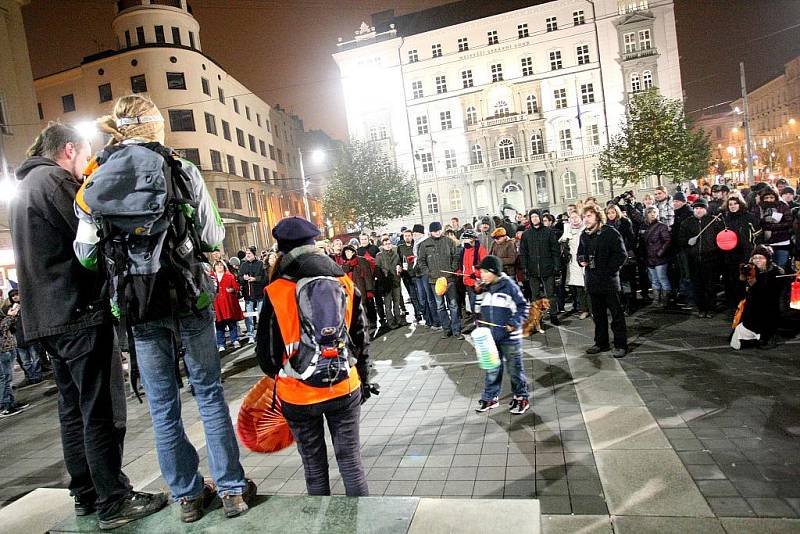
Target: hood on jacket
[[31, 163], [306, 261]]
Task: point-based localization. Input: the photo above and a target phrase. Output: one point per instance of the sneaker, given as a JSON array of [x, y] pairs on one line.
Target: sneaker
[[238, 504], [513, 403], [220, 349], [135, 506], [236, 344], [436, 328], [619, 353], [192, 509], [583, 315], [19, 406], [521, 407], [594, 349], [447, 334], [84, 506], [459, 336], [485, 406]]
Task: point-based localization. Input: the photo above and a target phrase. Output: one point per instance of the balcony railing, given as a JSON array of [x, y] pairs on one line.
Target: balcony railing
[[475, 167], [594, 149], [452, 171], [506, 119], [636, 54], [509, 162], [537, 157], [566, 153]]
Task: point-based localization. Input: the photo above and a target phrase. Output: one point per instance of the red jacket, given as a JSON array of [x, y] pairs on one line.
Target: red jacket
[[469, 264], [226, 305]]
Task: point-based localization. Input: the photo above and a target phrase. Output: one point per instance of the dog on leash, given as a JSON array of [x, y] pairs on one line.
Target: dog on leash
[[534, 322]]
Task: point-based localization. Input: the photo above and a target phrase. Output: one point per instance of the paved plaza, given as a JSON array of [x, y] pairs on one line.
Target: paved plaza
[[682, 434]]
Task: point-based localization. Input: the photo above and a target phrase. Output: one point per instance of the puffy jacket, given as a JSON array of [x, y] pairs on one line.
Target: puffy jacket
[[605, 249], [504, 304], [681, 214], [539, 252], [780, 231], [506, 250], [657, 239], [706, 248], [471, 257], [746, 225], [252, 290], [437, 254]]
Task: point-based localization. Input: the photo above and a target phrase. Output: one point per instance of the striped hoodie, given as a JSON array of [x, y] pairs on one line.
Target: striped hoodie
[[503, 304]]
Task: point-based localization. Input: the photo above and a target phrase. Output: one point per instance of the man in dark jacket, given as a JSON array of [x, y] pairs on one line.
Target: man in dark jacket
[[602, 253], [540, 256], [405, 249], [703, 255], [436, 255], [680, 276], [252, 279], [65, 310]]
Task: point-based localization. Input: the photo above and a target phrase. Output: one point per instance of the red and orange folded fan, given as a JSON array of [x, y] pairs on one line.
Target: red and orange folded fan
[[261, 426]]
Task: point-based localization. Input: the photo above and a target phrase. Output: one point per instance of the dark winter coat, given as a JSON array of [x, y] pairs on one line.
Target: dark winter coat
[[681, 214], [539, 252], [226, 305], [359, 271], [745, 224], [625, 229], [780, 231], [386, 277], [252, 290], [657, 239], [437, 254], [405, 252], [506, 250], [606, 249], [57, 293], [762, 308], [706, 249]]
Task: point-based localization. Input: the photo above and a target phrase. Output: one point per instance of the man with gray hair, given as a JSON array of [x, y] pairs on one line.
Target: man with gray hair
[[66, 311]]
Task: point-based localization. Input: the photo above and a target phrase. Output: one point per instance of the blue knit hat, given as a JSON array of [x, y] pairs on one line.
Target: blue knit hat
[[293, 232], [435, 226]]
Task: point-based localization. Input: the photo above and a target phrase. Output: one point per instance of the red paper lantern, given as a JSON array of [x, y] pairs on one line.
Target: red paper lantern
[[794, 300], [261, 426], [727, 240]]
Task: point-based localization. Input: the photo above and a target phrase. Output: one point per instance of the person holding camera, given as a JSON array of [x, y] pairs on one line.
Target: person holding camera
[[761, 312], [602, 252], [776, 219]]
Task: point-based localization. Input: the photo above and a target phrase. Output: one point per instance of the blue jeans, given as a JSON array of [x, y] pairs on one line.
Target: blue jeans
[[176, 455], [6, 377], [251, 306], [780, 258], [29, 357], [233, 328], [512, 355], [658, 277], [452, 321], [427, 300]]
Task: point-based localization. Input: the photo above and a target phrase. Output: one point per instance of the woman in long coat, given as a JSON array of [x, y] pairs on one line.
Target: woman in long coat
[[571, 238], [227, 310]]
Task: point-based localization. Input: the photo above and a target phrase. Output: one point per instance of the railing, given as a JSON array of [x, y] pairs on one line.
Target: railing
[[506, 119], [594, 149], [452, 171], [565, 153], [475, 167], [510, 162], [536, 157], [636, 54]]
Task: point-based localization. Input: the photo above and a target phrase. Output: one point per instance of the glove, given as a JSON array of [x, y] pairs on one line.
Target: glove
[[368, 390], [370, 294]]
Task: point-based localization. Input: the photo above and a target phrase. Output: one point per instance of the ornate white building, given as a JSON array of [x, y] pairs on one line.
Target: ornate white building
[[505, 103]]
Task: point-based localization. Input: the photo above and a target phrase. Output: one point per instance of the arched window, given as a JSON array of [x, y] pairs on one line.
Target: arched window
[[433, 203], [476, 155], [455, 200], [512, 187], [537, 144], [636, 82], [471, 116], [532, 104], [505, 149], [570, 182], [501, 108], [647, 79]]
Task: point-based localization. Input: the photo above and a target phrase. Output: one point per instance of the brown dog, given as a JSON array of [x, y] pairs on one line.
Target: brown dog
[[534, 321]]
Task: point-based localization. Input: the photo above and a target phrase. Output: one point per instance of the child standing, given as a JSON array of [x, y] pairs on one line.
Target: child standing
[[503, 305]]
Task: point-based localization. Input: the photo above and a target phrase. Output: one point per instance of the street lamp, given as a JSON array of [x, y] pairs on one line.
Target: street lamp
[[317, 157]]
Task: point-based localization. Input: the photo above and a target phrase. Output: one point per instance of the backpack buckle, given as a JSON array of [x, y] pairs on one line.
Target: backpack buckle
[[330, 352]]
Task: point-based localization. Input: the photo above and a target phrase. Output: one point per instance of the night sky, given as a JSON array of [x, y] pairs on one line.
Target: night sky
[[281, 49]]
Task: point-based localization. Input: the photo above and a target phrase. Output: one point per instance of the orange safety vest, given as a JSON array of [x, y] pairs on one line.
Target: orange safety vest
[[281, 293]]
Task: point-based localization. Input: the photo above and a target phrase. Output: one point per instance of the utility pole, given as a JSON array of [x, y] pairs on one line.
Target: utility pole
[[746, 112]]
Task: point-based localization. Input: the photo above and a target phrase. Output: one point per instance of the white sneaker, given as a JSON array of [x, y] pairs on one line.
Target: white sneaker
[[221, 349], [236, 344]]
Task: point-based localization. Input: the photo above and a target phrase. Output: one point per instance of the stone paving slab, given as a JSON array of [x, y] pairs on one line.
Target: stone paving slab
[[463, 516], [666, 525]]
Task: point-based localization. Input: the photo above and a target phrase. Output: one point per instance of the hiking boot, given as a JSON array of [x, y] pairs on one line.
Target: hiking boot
[[135, 505], [521, 407], [619, 353], [192, 509], [594, 349], [84, 506], [485, 406], [238, 504]]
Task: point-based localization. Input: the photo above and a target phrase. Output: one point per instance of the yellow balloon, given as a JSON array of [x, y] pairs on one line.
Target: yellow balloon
[[441, 286]]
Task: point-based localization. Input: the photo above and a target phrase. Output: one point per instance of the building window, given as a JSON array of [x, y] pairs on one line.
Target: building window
[[565, 139], [560, 97], [587, 93], [551, 23], [445, 120], [647, 79], [501, 108], [476, 155], [629, 40], [456, 203], [105, 92], [570, 182], [426, 159], [140, 35], [176, 35], [527, 66], [377, 132], [127, 39], [252, 142], [279, 154], [522, 31], [231, 164], [629, 6], [68, 103], [160, 34], [6, 129], [262, 148], [139, 83], [221, 95], [226, 130], [181, 120], [240, 138], [492, 37], [471, 116], [578, 18], [481, 195], [555, 60], [433, 203], [272, 152], [422, 124], [236, 106], [466, 78], [256, 174], [236, 196], [497, 72], [593, 135], [258, 119], [636, 82], [245, 169], [416, 89], [537, 144], [191, 39], [436, 50], [189, 154], [413, 56], [222, 198], [206, 86], [583, 54], [266, 121], [450, 158], [463, 44], [541, 188], [598, 184], [176, 80], [645, 43], [532, 105], [505, 149], [216, 160], [211, 124], [441, 85]]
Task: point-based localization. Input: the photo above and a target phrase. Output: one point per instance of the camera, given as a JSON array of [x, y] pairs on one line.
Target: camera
[[624, 198], [591, 262]]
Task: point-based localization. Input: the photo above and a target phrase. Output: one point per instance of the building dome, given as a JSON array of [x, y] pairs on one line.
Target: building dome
[[152, 22]]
